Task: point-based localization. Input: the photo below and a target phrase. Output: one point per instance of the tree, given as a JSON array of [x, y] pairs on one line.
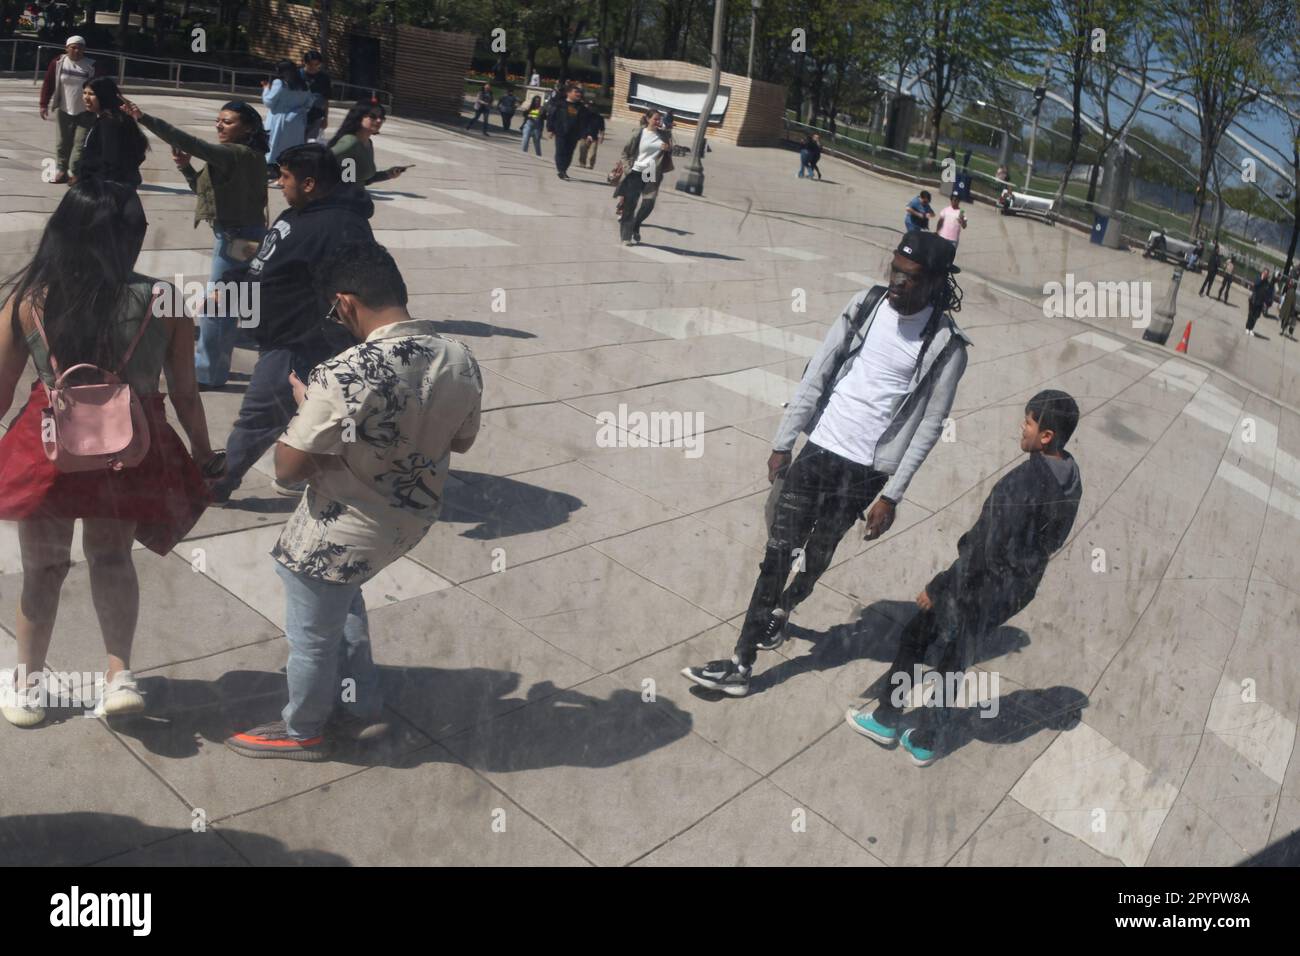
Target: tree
[[1227, 50], [966, 43]]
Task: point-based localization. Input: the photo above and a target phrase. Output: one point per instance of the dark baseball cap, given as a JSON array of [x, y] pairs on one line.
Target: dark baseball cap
[[934, 253]]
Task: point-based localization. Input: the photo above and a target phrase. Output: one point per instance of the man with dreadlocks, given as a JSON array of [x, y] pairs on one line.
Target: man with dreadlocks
[[873, 401]]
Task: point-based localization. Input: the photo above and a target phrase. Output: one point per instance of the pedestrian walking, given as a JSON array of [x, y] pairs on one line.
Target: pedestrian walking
[[592, 136], [231, 198], [65, 78], [482, 108], [1228, 270], [567, 122], [373, 436], [115, 148], [873, 400], [919, 212], [78, 300], [1000, 562], [952, 220], [815, 156], [806, 156], [353, 144], [1286, 313], [321, 86], [647, 157], [1259, 295], [533, 126], [287, 101], [291, 336], [506, 107], [1211, 270]]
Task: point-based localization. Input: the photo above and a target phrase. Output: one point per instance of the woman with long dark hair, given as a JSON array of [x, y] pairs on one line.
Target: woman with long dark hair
[[231, 190], [287, 101], [356, 153], [115, 146], [647, 156], [533, 125], [79, 301], [114, 149]]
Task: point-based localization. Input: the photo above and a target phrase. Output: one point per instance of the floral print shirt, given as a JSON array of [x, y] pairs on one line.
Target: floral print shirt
[[387, 410]]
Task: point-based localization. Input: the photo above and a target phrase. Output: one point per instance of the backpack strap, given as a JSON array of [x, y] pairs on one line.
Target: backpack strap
[[856, 322], [139, 334], [49, 353]]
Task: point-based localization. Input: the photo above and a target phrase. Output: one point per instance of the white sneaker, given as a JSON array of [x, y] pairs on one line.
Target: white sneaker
[[20, 708], [121, 697]]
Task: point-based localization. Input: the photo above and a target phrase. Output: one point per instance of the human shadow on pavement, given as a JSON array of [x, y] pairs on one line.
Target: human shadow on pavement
[[157, 188], [475, 714], [873, 636], [500, 507], [692, 253], [82, 838], [479, 329], [1010, 718], [675, 232], [277, 505], [1281, 852]]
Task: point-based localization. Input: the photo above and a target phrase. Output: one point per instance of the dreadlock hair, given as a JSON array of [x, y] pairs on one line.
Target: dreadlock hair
[[947, 295]]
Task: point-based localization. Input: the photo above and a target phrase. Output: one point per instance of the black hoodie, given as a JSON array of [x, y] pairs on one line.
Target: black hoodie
[[1000, 560], [291, 311]]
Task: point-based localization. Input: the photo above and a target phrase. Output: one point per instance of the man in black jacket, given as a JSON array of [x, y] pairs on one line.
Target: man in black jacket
[[1211, 270], [1000, 561], [567, 124], [1261, 294], [290, 330], [592, 137]]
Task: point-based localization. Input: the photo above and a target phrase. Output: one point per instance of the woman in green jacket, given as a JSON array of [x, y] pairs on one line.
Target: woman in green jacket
[[231, 190], [356, 153]]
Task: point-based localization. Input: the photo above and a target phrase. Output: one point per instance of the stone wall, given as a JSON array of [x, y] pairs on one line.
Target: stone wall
[[424, 70], [754, 112]]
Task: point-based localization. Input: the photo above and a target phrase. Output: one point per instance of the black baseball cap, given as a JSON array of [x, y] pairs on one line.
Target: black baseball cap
[[932, 251]]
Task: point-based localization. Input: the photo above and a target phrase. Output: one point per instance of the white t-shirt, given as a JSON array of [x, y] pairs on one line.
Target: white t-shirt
[[863, 403], [647, 150], [72, 77]]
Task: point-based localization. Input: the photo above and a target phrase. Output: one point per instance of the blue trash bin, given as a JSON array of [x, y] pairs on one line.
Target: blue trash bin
[[1099, 224]]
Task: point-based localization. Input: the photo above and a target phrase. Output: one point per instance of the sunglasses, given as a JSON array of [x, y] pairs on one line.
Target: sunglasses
[[333, 314]]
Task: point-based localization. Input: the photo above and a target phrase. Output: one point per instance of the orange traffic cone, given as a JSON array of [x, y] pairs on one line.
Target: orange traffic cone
[[1187, 334]]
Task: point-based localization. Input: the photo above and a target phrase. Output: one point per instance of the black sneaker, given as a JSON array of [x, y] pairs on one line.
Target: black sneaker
[[774, 634], [726, 676]]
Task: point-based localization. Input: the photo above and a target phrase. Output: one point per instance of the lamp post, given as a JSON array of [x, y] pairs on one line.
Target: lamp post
[[693, 181], [753, 24]]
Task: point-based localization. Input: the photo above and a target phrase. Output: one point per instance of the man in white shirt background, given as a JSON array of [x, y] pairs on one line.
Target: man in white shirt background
[[873, 401]]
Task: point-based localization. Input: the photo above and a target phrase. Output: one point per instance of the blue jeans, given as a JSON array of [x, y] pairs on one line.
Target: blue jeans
[[803, 163], [532, 131], [217, 334], [329, 640]]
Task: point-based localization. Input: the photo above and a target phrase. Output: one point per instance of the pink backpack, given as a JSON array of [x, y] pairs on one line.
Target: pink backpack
[[99, 427]]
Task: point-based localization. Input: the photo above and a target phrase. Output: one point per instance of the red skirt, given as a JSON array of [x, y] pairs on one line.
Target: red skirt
[[164, 495]]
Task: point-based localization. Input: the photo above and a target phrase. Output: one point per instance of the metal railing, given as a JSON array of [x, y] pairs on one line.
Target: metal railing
[[167, 71]]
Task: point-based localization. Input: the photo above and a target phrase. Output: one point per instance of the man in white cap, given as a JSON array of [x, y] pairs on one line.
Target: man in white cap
[[64, 78]]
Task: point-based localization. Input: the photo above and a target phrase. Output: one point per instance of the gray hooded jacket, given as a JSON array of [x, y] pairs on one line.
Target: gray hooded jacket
[[918, 418]]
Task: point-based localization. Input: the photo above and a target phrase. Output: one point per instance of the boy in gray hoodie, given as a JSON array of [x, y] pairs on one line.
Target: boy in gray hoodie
[[1000, 560]]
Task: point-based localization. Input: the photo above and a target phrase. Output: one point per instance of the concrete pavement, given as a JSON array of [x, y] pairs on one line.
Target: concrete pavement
[[531, 644]]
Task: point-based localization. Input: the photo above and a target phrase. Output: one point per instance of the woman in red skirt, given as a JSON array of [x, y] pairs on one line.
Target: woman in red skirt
[[80, 284]]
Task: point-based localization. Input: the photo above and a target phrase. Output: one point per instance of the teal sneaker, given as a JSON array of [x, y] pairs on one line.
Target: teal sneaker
[[921, 756], [868, 726]]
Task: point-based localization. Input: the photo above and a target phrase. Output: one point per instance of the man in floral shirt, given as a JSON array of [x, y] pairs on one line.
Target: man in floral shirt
[[373, 437]]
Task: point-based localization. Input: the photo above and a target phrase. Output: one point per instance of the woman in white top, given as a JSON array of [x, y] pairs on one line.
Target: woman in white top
[[647, 156]]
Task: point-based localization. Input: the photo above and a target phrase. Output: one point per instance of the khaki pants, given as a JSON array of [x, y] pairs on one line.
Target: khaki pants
[[582, 152], [72, 136]]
